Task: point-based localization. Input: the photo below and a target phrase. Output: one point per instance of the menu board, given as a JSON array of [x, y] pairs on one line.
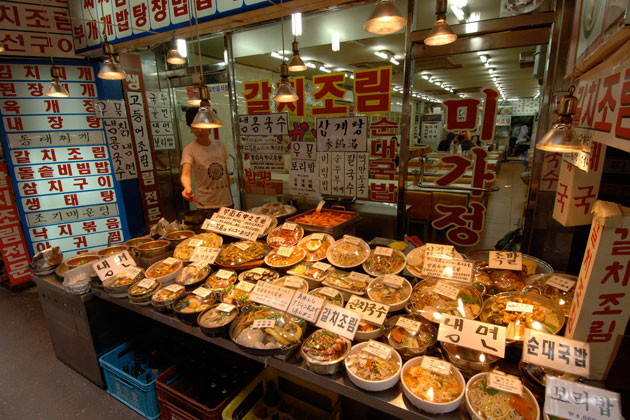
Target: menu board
[[116, 123], [65, 187], [265, 153], [161, 119], [304, 173]]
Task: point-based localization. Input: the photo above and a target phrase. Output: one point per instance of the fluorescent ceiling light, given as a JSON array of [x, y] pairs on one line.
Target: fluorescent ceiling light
[[324, 69], [296, 24], [426, 76], [311, 65], [335, 41], [459, 13], [513, 99], [474, 17], [487, 64], [381, 54], [181, 47], [491, 70], [483, 58], [278, 56], [394, 61]]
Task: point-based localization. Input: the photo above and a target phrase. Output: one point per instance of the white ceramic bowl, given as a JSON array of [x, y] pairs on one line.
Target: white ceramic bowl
[[373, 385], [370, 335], [473, 413], [428, 406], [396, 306]]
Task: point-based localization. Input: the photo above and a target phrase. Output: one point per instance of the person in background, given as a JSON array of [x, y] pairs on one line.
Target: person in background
[[466, 144], [522, 142], [456, 146], [476, 142], [445, 145], [513, 137], [206, 160]]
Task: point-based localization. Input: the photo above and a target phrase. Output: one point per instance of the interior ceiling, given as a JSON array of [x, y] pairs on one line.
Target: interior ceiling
[[464, 73]]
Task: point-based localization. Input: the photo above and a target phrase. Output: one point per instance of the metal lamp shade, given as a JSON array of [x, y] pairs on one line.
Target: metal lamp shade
[[111, 70], [296, 63], [561, 138], [194, 98], [206, 118], [56, 90], [174, 57], [385, 19], [285, 93], [441, 34]]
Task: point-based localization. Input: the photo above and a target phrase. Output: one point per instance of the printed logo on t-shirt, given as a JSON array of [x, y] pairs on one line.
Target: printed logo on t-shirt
[[215, 171]]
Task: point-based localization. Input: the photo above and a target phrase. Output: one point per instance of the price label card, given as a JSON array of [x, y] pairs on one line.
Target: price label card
[[356, 276], [133, 271], [174, 287], [393, 281], [370, 311], [448, 268], [285, 251], [225, 307], [306, 306], [506, 383], [378, 349], [170, 261], [199, 264], [441, 367], [263, 323], [339, 320], [243, 246], [449, 291], [561, 283], [408, 324], [519, 307], [322, 266], [318, 236], [237, 223], [107, 268], [555, 352], [202, 292], [506, 260], [439, 250], [293, 282], [146, 283], [277, 297], [384, 251], [352, 239], [471, 334], [329, 291], [224, 274], [245, 286], [193, 242], [205, 254], [289, 226], [574, 400]]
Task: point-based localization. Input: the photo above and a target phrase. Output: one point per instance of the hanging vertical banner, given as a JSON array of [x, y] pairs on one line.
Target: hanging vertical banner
[[137, 111], [12, 243], [303, 174], [161, 120], [62, 172], [116, 123]]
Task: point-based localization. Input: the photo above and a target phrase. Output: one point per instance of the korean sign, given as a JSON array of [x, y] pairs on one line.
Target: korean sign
[[370, 311], [558, 353], [116, 123], [471, 334], [237, 223], [339, 320], [573, 400], [263, 124], [448, 268]]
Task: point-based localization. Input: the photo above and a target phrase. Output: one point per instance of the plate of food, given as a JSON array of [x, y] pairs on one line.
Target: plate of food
[[384, 260], [242, 253], [118, 285], [238, 294], [410, 335], [485, 403], [188, 307], [140, 293], [370, 372], [287, 234], [215, 321], [220, 280], [432, 297], [186, 247], [316, 245], [165, 270], [346, 283], [558, 287], [163, 299], [314, 273], [292, 282], [324, 352], [333, 296], [193, 275], [275, 209], [284, 257], [348, 252], [258, 274], [391, 290]]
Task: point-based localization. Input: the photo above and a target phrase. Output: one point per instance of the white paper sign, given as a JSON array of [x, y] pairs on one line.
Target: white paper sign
[[329, 291], [226, 307], [408, 324], [174, 287], [506, 260], [277, 297], [370, 311], [170, 261], [293, 282], [285, 251], [519, 307], [263, 323], [439, 250], [356, 276], [237, 223], [245, 286], [471, 334], [441, 367], [384, 251], [202, 292], [561, 283], [146, 283], [205, 254], [339, 320], [448, 268], [289, 226], [352, 239], [449, 291], [306, 306], [507, 383], [112, 265], [318, 236], [224, 274], [393, 281], [378, 349], [243, 246], [555, 352], [573, 400], [193, 242], [322, 266]]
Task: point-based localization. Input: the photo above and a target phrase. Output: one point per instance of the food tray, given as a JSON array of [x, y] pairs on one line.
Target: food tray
[[331, 230]]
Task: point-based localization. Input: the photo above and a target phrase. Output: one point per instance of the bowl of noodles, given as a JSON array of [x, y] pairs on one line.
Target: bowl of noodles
[[370, 372], [484, 403], [435, 393]]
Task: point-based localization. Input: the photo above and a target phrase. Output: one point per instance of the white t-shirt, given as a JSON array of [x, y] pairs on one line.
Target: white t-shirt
[[209, 167]]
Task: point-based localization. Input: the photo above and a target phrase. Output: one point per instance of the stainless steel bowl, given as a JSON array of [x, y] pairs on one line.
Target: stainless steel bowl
[[153, 248], [325, 368], [46, 260]]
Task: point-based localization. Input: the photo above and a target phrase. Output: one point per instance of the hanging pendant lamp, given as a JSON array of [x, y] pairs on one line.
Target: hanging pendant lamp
[[285, 92], [194, 98], [110, 69], [296, 64], [385, 19], [562, 138], [206, 117], [175, 56], [441, 34], [55, 89]]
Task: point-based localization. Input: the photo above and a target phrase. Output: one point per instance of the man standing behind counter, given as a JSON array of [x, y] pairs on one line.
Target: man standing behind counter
[[207, 160]]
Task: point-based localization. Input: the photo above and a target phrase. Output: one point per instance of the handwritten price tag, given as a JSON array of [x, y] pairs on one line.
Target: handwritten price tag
[[170, 261], [506, 383], [573, 400], [435, 365], [205, 254], [293, 282], [561, 283], [519, 307], [329, 291], [447, 290], [193, 243], [202, 292], [285, 251], [318, 236], [237, 223], [263, 323], [448, 268], [393, 281], [555, 352], [306, 306], [224, 274], [322, 266], [471, 334], [146, 283], [243, 246], [378, 349], [289, 226], [174, 287], [352, 240], [355, 276], [277, 297], [245, 286], [110, 266], [225, 307], [506, 260], [384, 251], [408, 324]]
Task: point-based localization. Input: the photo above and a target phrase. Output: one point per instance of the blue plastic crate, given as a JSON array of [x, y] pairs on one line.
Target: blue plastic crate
[[139, 395]]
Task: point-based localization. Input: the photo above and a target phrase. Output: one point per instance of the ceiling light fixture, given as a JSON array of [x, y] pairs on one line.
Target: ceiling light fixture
[[175, 55], [110, 69], [335, 41], [55, 89], [491, 70], [296, 24], [324, 69], [381, 54], [284, 92], [194, 98], [311, 65], [385, 19], [441, 34], [483, 58], [296, 64], [426, 76], [206, 117], [278, 56], [394, 61], [562, 138]]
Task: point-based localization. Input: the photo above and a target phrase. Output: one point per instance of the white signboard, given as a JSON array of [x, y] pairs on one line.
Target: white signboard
[[471, 334]]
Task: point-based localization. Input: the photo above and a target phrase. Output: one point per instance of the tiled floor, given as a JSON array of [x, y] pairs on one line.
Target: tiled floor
[[505, 207]]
